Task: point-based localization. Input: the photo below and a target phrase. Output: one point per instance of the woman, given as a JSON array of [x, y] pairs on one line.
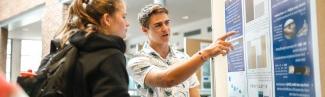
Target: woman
[[97, 29], [161, 71]]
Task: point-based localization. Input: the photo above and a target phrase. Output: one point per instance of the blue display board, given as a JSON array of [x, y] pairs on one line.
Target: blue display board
[[292, 48], [233, 15]]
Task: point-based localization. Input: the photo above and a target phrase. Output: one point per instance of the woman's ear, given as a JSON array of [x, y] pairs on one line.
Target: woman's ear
[[106, 19]]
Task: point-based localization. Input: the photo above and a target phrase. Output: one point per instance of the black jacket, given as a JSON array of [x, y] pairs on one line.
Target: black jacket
[[101, 65]]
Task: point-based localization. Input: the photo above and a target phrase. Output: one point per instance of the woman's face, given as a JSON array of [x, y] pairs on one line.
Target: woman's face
[[117, 22]]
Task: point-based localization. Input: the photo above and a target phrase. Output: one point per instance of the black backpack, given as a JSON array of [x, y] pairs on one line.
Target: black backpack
[[55, 75]]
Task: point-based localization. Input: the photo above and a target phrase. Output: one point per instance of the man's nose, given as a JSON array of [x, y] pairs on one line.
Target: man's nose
[[164, 27]]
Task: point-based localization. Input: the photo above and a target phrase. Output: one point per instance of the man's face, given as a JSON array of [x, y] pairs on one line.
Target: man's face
[[158, 30]]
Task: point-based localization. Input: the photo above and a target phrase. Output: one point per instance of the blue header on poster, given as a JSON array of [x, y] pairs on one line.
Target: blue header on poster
[[292, 48]]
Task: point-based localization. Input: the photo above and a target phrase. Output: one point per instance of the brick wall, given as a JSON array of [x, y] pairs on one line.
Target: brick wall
[[51, 22], [10, 8]]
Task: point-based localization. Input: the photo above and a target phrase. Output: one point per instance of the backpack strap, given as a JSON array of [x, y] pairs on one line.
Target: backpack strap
[[62, 53], [56, 43], [54, 47]]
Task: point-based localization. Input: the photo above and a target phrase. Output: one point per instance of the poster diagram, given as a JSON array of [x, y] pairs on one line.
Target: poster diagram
[[292, 48], [257, 53], [257, 48], [236, 84]]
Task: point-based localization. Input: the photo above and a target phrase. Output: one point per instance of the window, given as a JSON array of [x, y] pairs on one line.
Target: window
[[31, 54]]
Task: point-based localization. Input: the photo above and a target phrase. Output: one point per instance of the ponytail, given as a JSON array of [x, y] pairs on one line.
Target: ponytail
[[85, 15]]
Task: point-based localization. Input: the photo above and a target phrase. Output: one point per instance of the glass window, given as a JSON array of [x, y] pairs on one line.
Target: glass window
[[31, 54], [133, 88]]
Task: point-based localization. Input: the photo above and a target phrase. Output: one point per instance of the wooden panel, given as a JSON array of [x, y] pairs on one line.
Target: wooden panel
[[321, 41], [3, 48], [191, 47]]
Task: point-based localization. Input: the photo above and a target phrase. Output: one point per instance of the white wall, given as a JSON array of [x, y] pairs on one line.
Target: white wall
[[15, 59], [220, 68], [202, 24]]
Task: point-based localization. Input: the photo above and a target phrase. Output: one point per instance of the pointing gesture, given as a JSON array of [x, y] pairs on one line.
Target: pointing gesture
[[221, 46], [227, 35]]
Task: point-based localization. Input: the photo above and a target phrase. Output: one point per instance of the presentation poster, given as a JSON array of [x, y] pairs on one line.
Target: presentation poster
[[236, 64], [292, 48], [257, 48]]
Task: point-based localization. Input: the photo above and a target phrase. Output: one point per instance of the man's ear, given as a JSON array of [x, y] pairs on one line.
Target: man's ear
[[144, 29]]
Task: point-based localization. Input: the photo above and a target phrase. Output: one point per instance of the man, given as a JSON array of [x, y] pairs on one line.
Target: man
[[161, 71]]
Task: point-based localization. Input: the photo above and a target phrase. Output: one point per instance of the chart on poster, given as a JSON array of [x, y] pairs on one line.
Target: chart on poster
[[273, 55]]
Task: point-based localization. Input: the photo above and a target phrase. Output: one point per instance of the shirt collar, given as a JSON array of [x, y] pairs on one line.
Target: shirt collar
[[148, 50]]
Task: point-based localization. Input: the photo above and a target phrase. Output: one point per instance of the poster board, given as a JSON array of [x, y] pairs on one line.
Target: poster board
[[276, 49]]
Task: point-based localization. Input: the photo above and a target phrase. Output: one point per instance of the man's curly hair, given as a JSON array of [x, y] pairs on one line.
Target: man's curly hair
[[146, 12]]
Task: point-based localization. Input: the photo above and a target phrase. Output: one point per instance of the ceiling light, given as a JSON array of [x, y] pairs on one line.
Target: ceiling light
[[185, 17]]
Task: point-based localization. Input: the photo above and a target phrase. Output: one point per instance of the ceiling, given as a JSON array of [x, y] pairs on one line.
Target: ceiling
[[29, 32], [194, 9]]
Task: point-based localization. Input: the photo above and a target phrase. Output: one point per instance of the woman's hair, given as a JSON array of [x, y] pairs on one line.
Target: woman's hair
[[147, 11], [85, 15]]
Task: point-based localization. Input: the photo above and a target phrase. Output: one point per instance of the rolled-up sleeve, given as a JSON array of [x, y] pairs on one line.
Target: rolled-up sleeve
[[138, 68]]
